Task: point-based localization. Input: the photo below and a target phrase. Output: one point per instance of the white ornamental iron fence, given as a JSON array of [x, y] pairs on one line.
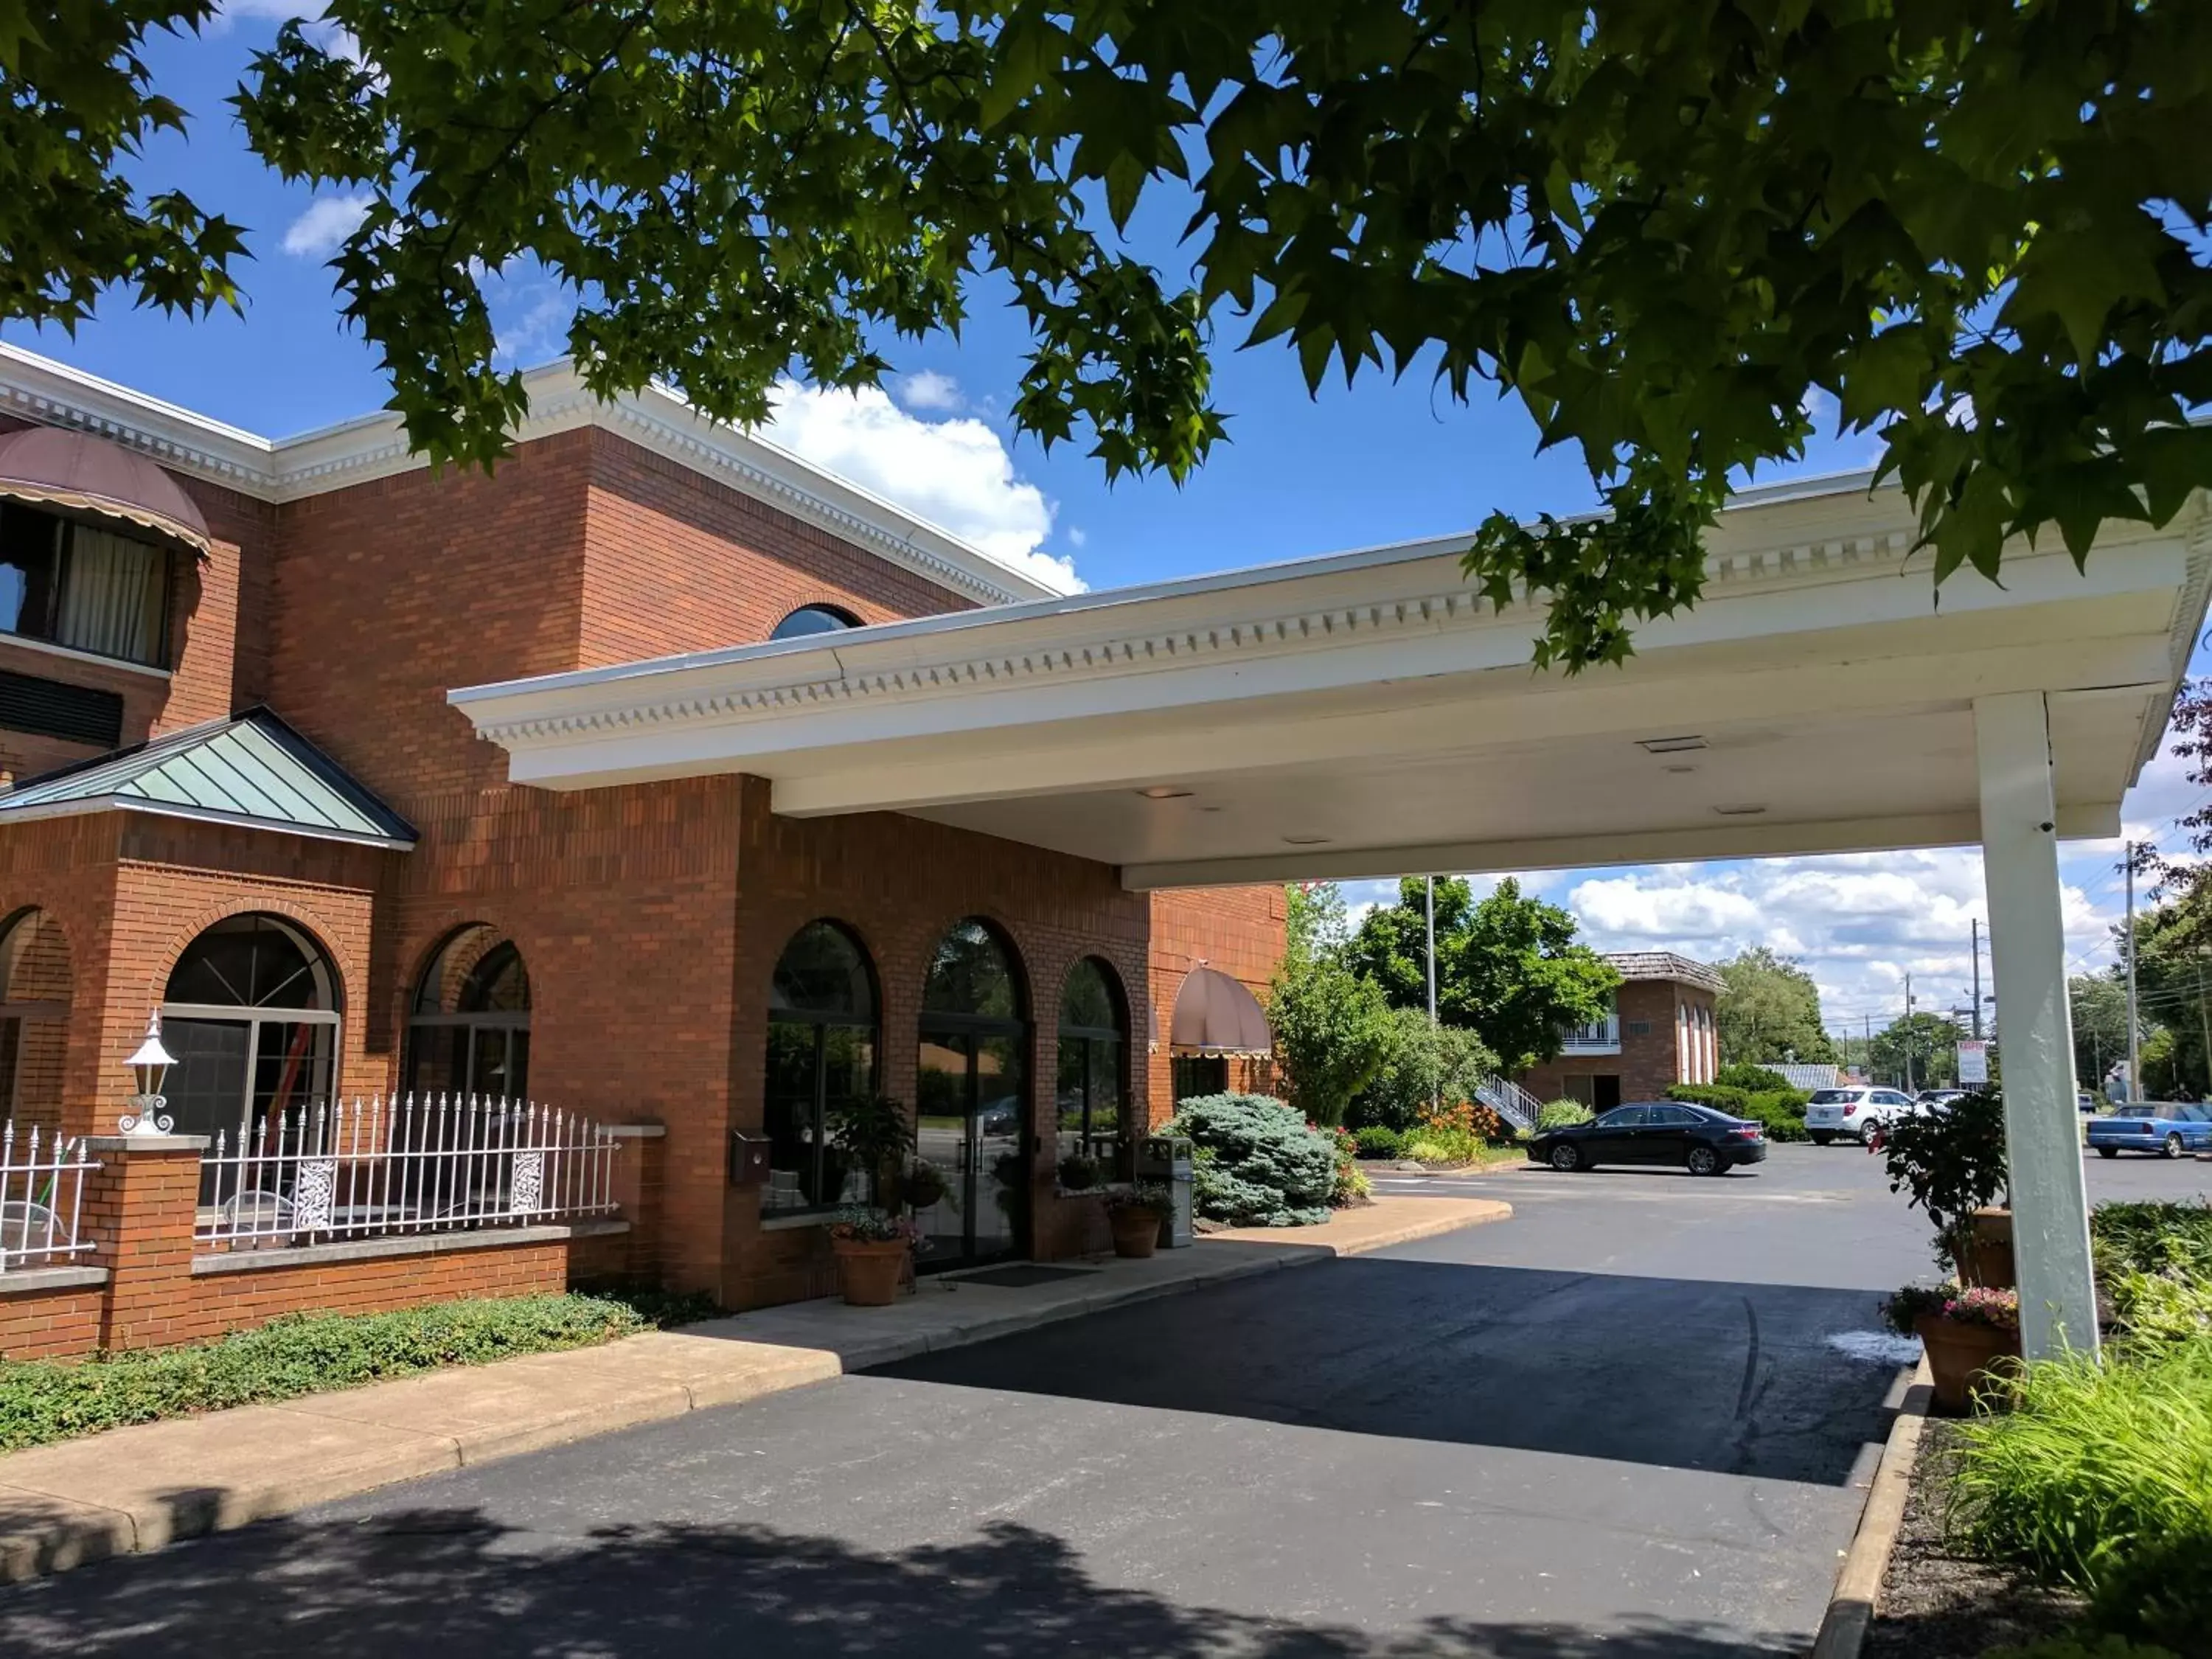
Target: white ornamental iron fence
[[41, 1198], [408, 1165]]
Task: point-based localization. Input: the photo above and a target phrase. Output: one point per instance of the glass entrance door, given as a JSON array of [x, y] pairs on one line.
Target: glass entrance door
[[971, 1123]]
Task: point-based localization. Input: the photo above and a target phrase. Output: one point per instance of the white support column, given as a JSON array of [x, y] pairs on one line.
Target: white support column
[[2028, 949]]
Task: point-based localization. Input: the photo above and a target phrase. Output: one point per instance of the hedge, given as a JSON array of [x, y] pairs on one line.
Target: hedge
[[1781, 1112], [48, 1400]]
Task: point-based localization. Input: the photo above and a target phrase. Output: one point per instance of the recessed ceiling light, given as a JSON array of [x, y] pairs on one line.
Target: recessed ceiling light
[[1165, 791], [1209, 809], [1738, 812], [1678, 770], [1306, 841], [1669, 745]]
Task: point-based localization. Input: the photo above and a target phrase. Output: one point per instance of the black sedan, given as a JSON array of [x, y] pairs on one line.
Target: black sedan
[[1659, 1131]]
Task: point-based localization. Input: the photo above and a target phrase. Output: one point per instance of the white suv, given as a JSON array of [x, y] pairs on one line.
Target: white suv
[[1854, 1112]]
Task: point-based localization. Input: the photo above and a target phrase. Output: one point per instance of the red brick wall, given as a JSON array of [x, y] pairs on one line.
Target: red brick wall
[[51, 1324], [1237, 930], [675, 562]]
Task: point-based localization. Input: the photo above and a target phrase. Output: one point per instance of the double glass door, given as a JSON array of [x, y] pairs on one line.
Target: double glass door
[[972, 1125]]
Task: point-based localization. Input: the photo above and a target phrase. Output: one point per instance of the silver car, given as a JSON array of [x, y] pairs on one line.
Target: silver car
[[1855, 1113]]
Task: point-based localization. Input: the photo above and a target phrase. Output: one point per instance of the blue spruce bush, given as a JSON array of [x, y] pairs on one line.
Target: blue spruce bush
[[1258, 1163]]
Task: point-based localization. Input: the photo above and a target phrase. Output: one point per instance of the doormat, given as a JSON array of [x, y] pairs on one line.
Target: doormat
[[1022, 1275]]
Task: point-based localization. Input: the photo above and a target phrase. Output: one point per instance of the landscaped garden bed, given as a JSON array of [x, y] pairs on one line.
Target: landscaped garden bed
[[46, 1400]]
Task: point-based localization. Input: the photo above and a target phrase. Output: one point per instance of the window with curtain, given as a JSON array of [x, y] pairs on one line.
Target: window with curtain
[[89, 588]]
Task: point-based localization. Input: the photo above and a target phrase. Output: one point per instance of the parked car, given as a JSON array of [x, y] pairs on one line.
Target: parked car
[[1856, 1112], [1654, 1132], [1937, 1096], [2166, 1127]]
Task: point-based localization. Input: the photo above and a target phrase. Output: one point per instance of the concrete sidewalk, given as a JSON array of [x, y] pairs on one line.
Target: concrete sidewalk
[[138, 1488]]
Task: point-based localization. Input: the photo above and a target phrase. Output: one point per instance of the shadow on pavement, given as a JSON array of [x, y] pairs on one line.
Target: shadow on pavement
[[450, 1581], [1701, 1374]]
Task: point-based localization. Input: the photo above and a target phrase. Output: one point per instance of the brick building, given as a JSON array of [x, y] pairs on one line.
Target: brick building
[[1661, 1032], [241, 796]]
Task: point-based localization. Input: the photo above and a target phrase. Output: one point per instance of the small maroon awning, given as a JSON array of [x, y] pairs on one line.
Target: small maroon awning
[[86, 477], [1216, 1015]]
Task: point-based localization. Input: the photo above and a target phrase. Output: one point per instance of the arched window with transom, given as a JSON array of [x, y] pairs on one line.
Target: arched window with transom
[[1094, 1031], [972, 1095], [468, 1028], [252, 1016], [822, 1045], [814, 619]]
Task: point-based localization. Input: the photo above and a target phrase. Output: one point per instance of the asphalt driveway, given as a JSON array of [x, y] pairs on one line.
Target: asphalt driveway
[[1627, 1422]]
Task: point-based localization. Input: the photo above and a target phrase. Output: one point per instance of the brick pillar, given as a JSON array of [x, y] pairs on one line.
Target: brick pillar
[[140, 1204], [640, 1155]]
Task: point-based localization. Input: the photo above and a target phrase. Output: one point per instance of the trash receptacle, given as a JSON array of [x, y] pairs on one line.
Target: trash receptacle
[[1167, 1157]]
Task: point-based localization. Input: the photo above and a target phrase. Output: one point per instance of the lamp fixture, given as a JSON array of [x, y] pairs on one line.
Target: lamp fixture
[[1669, 745], [149, 1068], [1745, 811], [1165, 791], [1306, 841]]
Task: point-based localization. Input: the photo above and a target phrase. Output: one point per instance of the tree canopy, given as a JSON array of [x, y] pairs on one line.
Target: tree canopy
[[1508, 966], [1671, 227], [1921, 1049], [1770, 1010]]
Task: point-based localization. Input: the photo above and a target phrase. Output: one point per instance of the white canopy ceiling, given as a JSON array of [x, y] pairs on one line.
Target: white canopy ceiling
[[1365, 714]]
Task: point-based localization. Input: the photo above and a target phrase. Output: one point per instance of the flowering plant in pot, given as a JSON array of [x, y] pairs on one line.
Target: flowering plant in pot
[[1971, 1333], [1949, 1160], [872, 1250], [1079, 1172], [1135, 1215]]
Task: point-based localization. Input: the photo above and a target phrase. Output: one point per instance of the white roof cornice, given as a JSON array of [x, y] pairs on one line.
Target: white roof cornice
[[36, 388]]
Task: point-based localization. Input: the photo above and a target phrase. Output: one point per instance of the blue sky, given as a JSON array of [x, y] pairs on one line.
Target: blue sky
[[1379, 462]]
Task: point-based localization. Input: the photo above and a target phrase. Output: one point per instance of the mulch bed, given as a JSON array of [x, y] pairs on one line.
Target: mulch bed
[[1936, 1605]]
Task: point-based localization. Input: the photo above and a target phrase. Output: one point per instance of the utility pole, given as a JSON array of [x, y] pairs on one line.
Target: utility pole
[[2135, 1041], [1869, 1020], [1978, 978], [1907, 1044]]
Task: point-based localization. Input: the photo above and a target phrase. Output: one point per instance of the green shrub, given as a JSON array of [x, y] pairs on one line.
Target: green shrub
[[1260, 1163], [1433, 1144], [2082, 1647], [1421, 1064], [1562, 1114], [2175, 1239], [1752, 1080], [2100, 1478], [1376, 1141], [43, 1400]]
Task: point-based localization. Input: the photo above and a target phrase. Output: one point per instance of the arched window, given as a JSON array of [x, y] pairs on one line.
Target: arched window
[[252, 1016], [468, 1030], [34, 1006], [821, 1054], [814, 619], [972, 1089], [1094, 1026]]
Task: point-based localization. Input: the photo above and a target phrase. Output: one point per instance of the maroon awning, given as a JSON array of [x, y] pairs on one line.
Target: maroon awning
[[83, 476], [1216, 1015]]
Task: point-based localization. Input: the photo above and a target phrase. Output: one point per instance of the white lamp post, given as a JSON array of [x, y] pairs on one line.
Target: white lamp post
[[150, 1067]]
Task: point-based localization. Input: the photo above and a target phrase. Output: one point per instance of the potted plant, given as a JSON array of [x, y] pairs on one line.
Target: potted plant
[[1949, 1159], [923, 1185], [1971, 1333], [1135, 1215], [875, 1137], [872, 1249], [1079, 1172]]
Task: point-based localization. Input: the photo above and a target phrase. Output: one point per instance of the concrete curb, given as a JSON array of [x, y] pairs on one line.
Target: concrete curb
[[1858, 1586], [133, 1490]]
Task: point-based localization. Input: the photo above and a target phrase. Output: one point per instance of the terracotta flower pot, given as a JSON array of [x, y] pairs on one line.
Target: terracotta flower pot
[[1986, 1254], [1962, 1356], [868, 1273], [1136, 1232]]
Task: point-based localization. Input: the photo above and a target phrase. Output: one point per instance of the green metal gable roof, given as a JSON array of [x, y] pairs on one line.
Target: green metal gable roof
[[252, 768]]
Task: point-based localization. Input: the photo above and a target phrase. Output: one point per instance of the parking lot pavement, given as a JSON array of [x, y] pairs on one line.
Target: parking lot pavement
[[1626, 1428]]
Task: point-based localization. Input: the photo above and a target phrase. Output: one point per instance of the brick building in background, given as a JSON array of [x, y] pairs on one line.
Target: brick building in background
[[1661, 1032], [241, 797]]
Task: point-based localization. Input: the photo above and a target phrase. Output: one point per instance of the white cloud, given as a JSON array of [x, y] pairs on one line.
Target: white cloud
[[929, 390], [956, 473], [328, 220], [276, 11]]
